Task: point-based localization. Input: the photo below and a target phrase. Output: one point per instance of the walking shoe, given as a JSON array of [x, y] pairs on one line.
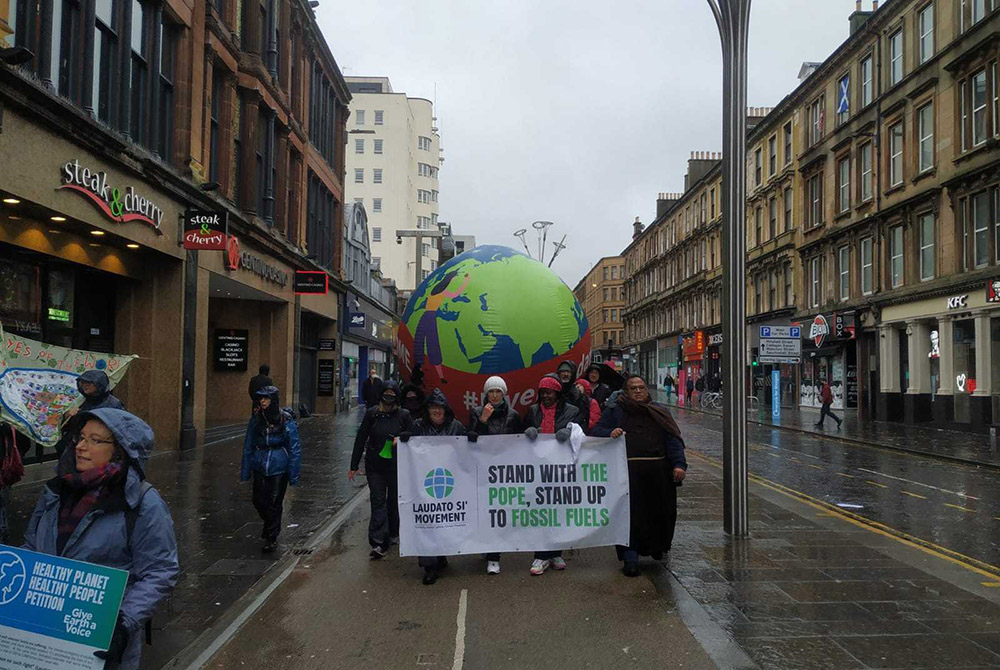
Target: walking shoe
[[269, 547], [430, 576], [539, 566], [493, 567], [558, 563], [377, 553], [631, 569]]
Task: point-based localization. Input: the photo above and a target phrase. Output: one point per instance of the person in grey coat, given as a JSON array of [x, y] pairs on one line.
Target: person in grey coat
[[98, 508]]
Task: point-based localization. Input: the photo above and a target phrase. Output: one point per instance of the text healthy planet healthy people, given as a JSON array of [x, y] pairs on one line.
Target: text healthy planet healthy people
[[490, 311]]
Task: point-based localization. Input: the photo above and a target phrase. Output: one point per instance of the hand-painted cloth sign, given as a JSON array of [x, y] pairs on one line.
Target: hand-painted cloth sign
[[56, 612], [38, 383], [507, 493]]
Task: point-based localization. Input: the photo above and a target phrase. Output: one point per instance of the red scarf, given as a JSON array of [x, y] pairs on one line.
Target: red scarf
[[549, 418], [81, 493]]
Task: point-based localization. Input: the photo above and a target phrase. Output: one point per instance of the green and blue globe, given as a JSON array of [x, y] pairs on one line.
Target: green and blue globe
[[439, 483]]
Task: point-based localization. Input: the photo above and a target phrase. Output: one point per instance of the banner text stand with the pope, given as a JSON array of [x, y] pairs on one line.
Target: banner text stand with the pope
[[506, 493]]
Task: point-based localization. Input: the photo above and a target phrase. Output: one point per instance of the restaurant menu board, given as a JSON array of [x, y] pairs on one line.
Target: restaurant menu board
[[231, 350], [327, 376]]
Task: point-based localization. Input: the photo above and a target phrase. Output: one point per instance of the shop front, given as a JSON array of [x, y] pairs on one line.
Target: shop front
[[647, 361], [713, 355], [940, 359], [318, 347], [89, 259], [693, 351], [829, 355], [369, 331], [667, 362]]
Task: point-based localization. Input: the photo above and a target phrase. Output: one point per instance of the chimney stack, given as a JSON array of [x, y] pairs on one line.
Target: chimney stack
[[664, 201], [637, 228], [859, 17]]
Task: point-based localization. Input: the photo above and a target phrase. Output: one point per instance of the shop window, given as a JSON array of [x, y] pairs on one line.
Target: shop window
[[902, 340], [935, 359], [927, 238], [964, 364], [21, 298]]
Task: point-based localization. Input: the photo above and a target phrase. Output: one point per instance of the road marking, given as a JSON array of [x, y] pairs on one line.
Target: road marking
[[910, 481], [964, 509], [972, 564], [460, 632], [990, 585], [795, 460], [815, 467], [844, 474], [881, 486], [915, 495], [775, 455]]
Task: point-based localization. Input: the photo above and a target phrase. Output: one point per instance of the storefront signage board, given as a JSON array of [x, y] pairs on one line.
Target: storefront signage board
[[120, 207], [694, 345], [356, 320], [236, 258], [327, 344], [206, 230], [819, 329], [958, 302], [231, 350], [714, 339], [325, 379], [311, 282], [993, 290]]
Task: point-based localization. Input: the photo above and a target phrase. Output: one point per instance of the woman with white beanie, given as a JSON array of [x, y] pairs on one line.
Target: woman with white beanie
[[495, 417]]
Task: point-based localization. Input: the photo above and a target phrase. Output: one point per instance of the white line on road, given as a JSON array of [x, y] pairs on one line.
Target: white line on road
[[910, 481], [463, 601]]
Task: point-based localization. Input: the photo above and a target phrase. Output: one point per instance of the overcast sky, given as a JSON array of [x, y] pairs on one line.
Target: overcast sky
[[573, 111]]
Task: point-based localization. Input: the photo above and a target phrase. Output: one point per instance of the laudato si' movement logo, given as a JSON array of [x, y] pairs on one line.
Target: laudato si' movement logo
[[12, 576], [439, 483]]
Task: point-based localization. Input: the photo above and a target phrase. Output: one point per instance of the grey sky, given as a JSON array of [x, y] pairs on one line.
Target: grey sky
[[573, 111]]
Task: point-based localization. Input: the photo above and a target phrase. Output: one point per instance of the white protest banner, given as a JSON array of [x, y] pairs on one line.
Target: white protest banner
[[507, 493]]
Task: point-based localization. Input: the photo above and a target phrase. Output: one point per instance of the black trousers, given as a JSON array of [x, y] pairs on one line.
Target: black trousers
[[384, 497], [268, 496], [825, 411]]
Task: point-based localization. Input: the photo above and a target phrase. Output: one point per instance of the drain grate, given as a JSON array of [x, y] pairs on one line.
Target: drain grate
[[302, 551]]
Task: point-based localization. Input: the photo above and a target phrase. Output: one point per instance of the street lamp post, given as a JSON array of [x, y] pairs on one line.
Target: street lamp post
[[733, 19]]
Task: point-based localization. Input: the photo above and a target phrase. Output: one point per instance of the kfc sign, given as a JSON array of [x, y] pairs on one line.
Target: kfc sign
[[993, 290], [958, 302]]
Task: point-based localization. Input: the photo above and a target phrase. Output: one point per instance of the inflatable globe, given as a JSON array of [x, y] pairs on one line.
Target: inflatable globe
[[490, 311]]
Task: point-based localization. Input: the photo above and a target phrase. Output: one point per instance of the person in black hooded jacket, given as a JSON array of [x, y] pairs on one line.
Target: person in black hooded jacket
[[95, 387], [413, 400], [438, 420], [600, 391], [566, 374], [377, 439]]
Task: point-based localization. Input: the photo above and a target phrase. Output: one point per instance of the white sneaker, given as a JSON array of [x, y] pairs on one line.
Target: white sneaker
[[558, 563], [493, 567], [539, 566]]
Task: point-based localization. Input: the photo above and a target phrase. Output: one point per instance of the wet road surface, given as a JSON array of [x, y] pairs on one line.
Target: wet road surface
[[948, 504]]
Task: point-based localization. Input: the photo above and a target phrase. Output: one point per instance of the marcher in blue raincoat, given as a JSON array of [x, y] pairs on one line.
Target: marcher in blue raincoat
[[99, 509], [95, 387], [272, 456]]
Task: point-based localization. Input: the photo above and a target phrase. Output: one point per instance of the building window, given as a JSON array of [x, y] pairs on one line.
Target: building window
[[925, 132], [788, 143], [979, 108], [425, 249], [963, 104], [424, 143], [815, 196], [926, 27], [359, 146], [789, 286], [322, 219], [788, 208], [425, 274], [614, 272], [378, 146], [844, 268], [926, 226], [843, 99], [896, 154], [996, 99], [323, 115], [865, 158], [867, 272], [711, 205], [844, 185], [757, 162], [105, 50], [215, 133], [376, 234], [605, 273], [814, 281], [614, 314], [604, 315], [359, 117], [896, 255], [895, 57], [376, 263], [377, 205], [605, 293], [816, 121], [434, 196], [980, 212], [772, 156], [866, 82], [772, 217], [423, 196], [359, 176], [379, 116], [996, 221], [377, 175], [140, 60], [758, 226]]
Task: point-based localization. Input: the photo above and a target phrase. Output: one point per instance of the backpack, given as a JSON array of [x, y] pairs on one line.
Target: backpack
[[12, 467]]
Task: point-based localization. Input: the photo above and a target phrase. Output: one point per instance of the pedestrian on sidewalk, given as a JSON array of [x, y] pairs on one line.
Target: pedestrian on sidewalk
[[371, 389], [826, 398], [495, 417], [377, 439], [438, 420], [257, 382], [552, 414], [594, 415], [689, 388], [600, 390], [99, 508], [273, 457], [656, 467], [95, 387]]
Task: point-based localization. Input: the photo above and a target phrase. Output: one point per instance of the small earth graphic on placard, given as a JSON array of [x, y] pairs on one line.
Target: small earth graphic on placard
[[439, 483], [12, 576]]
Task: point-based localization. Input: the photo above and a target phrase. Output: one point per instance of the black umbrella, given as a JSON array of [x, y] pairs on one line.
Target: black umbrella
[[610, 377]]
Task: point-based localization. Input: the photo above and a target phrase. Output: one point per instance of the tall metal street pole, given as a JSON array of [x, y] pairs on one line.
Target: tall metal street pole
[[733, 18]]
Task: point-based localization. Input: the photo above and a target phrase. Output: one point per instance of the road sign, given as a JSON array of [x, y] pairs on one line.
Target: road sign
[[769, 332], [779, 359], [776, 394]]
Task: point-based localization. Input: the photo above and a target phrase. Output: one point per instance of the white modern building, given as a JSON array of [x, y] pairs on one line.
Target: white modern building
[[393, 157]]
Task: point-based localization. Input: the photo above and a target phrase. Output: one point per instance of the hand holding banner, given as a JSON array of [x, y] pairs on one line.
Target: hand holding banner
[[508, 493]]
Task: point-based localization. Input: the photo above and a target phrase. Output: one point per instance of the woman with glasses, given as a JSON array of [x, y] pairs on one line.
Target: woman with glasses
[[99, 508]]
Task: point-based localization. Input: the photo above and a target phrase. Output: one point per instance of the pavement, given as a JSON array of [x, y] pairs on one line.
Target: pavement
[[859, 557], [973, 448]]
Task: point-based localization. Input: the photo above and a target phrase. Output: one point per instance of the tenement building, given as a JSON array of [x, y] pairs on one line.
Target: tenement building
[[601, 294], [119, 117]]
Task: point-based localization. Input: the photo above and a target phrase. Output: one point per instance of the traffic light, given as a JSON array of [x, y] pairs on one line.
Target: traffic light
[[753, 357]]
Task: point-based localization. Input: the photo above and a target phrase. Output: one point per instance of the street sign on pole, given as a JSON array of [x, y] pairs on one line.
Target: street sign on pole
[[776, 395], [784, 348], [771, 332]]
